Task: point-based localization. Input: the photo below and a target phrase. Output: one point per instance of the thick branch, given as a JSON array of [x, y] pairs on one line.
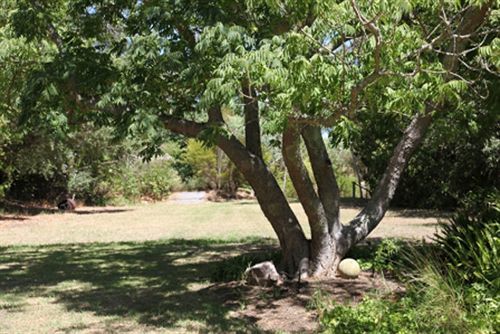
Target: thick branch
[[271, 199], [183, 127], [252, 125], [375, 210], [328, 189], [320, 237], [302, 182], [471, 20]]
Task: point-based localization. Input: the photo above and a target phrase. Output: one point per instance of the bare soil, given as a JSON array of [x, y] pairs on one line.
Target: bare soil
[[290, 308]]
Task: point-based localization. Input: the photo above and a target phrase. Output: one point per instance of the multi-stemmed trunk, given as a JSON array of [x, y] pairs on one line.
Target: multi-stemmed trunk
[[330, 240]]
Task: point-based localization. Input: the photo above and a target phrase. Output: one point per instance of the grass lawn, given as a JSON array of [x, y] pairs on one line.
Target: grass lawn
[[137, 287], [138, 269], [166, 220]]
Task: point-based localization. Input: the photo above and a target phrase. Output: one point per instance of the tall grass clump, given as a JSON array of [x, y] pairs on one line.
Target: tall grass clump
[[470, 243]]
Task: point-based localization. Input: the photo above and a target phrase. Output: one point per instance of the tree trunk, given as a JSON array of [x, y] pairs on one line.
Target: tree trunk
[[274, 205], [322, 208]]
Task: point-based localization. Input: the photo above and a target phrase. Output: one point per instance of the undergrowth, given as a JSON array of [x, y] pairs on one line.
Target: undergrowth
[[452, 286]]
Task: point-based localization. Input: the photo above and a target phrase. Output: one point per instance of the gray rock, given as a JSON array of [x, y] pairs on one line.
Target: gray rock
[[263, 274]]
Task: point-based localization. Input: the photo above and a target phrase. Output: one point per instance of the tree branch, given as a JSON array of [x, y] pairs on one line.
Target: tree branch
[[377, 71], [252, 123], [471, 20], [328, 189], [375, 210], [302, 182]]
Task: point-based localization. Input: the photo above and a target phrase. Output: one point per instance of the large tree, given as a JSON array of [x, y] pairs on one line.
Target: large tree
[[292, 69]]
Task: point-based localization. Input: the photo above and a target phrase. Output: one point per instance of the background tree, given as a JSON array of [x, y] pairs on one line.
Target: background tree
[[460, 154], [289, 68]]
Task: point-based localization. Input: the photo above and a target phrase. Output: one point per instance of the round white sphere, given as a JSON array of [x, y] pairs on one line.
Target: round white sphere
[[349, 268]]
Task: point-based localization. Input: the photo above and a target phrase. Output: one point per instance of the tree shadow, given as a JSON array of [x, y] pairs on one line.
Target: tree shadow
[[421, 213], [33, 210], [22, 209], [2, 218], [155, 283], [97, 211]]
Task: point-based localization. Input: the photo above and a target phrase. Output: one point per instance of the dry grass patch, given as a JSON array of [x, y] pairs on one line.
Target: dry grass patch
[[166, 220]]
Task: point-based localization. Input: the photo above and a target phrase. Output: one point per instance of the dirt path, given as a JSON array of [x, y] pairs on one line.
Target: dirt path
[[188, 197]]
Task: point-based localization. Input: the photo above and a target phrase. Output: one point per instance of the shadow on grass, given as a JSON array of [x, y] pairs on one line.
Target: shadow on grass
[[33, 210], [421, 213], [2, 218], [157, 283]]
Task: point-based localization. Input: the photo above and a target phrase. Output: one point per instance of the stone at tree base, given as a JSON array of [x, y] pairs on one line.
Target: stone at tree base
[[349, 268], [263, 274]]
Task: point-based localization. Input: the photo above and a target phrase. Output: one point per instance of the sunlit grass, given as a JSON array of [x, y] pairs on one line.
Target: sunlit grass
[[165, 220]]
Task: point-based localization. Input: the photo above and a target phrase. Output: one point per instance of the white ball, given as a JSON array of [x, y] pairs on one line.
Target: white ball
[[349, 268]]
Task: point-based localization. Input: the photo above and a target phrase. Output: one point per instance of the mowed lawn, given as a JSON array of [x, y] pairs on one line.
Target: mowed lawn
[[166, 220], [140, 269]]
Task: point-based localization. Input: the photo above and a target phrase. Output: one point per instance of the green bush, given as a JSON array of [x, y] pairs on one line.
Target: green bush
[[210, 168], [154, 180], [452, 288], [470, 243], [387, 256], [157, 180], [345, 184], [372, 315]]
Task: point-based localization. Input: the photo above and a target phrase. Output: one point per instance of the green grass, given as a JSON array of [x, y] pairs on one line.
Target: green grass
[[141, 269], [153, 287]]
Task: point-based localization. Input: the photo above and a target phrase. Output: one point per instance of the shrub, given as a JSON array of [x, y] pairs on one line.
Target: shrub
[[470, 243], [211, 168], [154, 180], [441, 297], [388, 255], [158, 179], [433, 303]]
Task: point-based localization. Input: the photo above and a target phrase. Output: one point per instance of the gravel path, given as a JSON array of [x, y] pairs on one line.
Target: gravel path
[[188, 197]]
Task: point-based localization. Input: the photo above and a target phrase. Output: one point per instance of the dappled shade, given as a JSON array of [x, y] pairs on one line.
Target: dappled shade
[[154, 283]]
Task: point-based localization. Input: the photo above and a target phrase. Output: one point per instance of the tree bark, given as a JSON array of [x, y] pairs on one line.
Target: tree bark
[[322, 243], [252, 123], [322, 167], [376, 208]]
